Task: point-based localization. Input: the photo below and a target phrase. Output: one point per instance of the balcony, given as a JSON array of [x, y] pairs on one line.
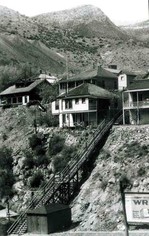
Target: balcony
[[134, 105]]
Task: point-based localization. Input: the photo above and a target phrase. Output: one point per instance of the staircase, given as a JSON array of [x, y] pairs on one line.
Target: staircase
[[61, 188]]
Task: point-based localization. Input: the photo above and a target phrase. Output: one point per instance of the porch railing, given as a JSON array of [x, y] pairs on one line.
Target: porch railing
[[138, 104]]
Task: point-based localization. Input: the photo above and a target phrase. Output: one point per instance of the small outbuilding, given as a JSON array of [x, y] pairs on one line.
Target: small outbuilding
[[49, 218]]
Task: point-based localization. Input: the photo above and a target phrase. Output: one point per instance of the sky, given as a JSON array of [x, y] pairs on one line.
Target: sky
[[121, 12]]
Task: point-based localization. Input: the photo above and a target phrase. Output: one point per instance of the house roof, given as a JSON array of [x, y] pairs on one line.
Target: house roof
[[139, 85], [127, 72], [92, 73], [142, 76], [53, 207], [14, 90], [114, 71], [88, 90]]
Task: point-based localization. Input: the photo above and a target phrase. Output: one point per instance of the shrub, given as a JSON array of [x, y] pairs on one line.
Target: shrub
[[48, 120], [39, 150], [4, 136], [141, 171], [36, 179], [29, 160], [41, 160], [6, 159], [56, 145], [69, 152], [34, 141], [6, 174], [59, 163], [62, 160], [6, 182]]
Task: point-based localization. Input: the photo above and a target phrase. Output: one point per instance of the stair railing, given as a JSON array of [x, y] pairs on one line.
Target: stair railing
[[67, 173]]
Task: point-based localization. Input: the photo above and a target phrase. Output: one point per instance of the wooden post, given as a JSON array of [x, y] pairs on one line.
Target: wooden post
[[8, 209], [122, 187], [123, 108], [138, 118]]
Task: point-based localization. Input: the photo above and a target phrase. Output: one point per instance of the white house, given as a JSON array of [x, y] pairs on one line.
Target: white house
[[136, 103], [83, 105]]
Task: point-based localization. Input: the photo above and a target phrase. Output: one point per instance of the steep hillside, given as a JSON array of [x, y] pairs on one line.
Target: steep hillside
[[16, 49], [86, 21], [98, 205], [80, 37], [13, 22], [139, 30]]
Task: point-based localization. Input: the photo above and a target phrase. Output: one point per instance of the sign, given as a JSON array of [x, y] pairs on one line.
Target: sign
[[137, 207]]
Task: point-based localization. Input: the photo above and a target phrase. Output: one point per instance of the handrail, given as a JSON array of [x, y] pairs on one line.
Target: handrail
[[68, 172]]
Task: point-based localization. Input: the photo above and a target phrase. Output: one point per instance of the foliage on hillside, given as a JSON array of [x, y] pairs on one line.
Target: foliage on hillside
[[79, 45], [6, 173]]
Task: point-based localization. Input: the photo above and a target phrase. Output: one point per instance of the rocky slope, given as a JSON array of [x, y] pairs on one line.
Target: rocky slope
[[139, 31], [98, 205], [13, 22], [15, 50], [47, 41], [87, 20]]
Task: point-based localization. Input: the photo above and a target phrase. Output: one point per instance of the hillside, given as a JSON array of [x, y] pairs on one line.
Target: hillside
[[87, 20], [98, 204], [48, 42], [140, 30], [13, 22], [15, 49]]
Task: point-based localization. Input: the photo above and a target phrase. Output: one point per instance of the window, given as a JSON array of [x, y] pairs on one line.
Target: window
[[115, 85], [79, 83], [71, 85], [122, 78], [56, 105], [77, 101], [14, 100], [63, 86], [68, 104], [19, 99], [83, 100], [103, 84]]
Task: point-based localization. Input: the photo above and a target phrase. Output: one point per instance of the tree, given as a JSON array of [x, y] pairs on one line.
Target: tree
[[49, 93]]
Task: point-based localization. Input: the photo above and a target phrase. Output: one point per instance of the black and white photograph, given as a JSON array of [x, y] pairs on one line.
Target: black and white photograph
[[74, 118]]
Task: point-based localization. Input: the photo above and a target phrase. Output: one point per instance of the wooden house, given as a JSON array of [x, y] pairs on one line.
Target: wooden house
[[136, 103], [23, 91], [100, 77], [84, 105]]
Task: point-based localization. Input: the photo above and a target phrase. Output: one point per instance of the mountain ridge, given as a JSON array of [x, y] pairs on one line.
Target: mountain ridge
[[83, 15]]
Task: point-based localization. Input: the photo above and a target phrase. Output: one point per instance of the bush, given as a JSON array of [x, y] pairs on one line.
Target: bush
[[62, 160], [6, 174], [48, 120], [6, 159], [34, 141], [41, 160], [56, 145], [39, 150], [141, 171], [59, 163], [29, 160], [36, 179]]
